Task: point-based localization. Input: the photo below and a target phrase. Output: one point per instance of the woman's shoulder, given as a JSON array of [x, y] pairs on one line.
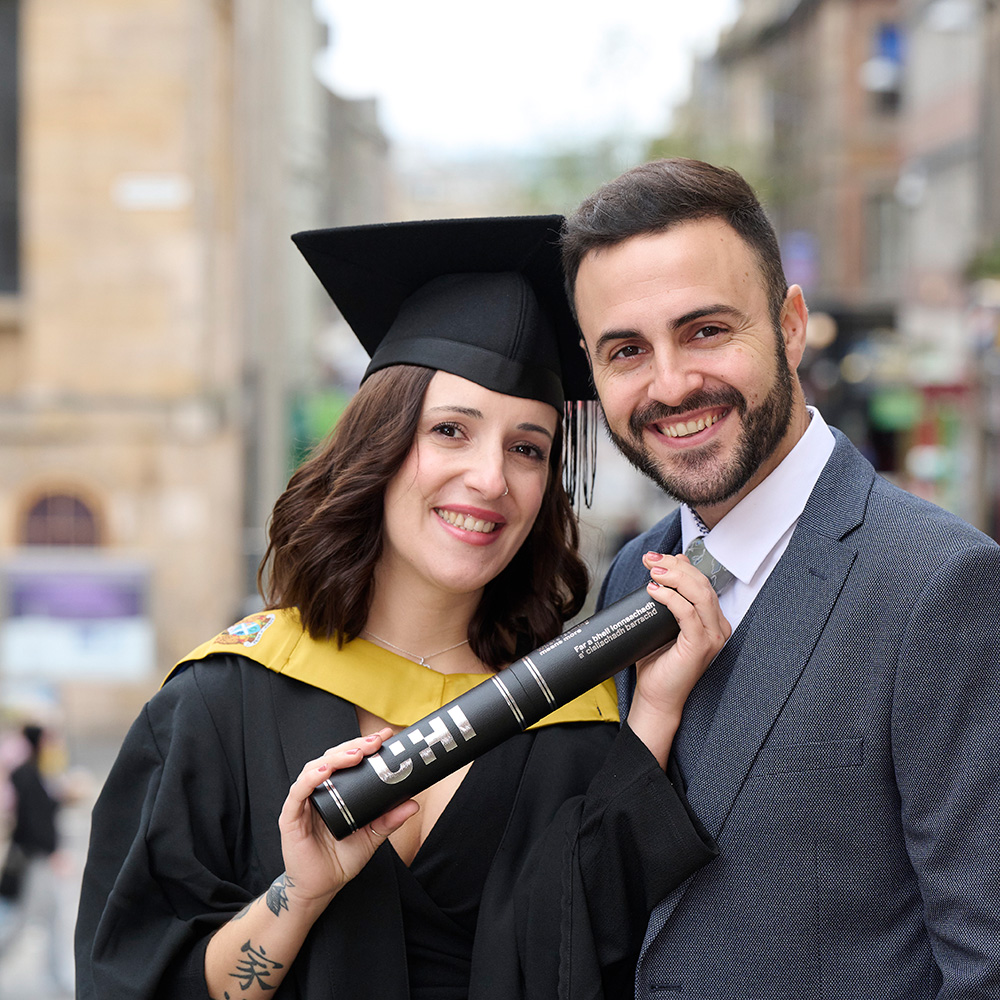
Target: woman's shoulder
[[200, 694], [229, 689], [266, 637], [216, 671]]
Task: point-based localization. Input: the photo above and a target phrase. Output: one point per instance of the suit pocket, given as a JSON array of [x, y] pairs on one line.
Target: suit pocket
[[792, 758]]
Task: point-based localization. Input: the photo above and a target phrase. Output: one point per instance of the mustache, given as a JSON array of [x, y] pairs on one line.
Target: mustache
[[655, 412]]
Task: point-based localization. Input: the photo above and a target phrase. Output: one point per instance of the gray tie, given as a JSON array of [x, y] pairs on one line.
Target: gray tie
[[719, 576], [703, 700]]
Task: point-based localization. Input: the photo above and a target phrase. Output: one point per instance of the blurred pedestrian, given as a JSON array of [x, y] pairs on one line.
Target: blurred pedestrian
[[34, 866]]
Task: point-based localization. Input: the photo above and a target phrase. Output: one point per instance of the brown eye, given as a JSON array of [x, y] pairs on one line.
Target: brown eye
[[529, 451], [628, 351]]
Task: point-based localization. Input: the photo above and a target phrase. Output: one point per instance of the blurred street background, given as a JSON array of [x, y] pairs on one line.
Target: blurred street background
[[166, 358]]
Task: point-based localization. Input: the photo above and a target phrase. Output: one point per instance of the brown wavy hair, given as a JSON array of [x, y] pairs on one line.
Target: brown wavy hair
[[326, 532]]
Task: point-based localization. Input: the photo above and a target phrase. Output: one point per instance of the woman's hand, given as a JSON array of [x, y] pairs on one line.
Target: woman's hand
[[665, 678], [272, 928], [317, 866]]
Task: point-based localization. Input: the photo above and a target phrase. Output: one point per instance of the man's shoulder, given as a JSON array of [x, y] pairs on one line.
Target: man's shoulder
[[851, 494], [894, 510]]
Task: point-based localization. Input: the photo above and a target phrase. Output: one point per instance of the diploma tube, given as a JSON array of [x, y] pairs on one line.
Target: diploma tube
[[502, 706]]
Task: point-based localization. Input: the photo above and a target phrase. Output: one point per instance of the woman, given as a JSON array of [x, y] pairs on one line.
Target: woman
[[427, 545]]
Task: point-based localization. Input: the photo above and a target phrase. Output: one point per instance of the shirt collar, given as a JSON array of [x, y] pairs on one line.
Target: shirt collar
[[742, 540]]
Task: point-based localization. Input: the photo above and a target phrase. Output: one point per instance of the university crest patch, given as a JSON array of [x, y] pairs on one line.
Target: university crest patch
[[247, 632]]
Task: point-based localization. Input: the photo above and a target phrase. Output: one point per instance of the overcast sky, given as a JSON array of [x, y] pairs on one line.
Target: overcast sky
[[458, 75]]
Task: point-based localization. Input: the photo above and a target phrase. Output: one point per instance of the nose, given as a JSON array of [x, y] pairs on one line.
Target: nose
[[486, 472], [674, 378]]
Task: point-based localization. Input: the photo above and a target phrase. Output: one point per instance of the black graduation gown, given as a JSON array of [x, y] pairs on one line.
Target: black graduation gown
[[185, 834]]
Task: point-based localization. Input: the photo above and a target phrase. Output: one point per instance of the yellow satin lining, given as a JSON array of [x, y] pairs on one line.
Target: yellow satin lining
[[382, 683]]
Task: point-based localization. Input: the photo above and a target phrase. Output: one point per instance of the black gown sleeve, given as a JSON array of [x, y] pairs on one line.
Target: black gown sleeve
[[639, 840], [571, 918], [159, 878]]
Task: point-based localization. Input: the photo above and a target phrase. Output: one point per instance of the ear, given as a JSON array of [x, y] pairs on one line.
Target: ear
[[794, 318], [585, 349]]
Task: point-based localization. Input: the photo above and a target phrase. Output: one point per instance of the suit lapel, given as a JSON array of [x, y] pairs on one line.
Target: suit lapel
[[761, 664], [756, 684], [773, 643], [810, 575]]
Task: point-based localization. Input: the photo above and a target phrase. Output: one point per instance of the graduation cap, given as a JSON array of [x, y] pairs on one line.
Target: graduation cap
[[480, 298]]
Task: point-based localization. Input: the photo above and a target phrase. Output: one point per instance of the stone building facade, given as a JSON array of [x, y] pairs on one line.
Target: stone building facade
[[871, 128], [155, 328]]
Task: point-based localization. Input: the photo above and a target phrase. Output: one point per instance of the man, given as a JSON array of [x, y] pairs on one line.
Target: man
[[844, 747]]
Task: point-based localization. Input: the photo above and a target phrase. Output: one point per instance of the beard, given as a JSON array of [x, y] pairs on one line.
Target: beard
[[699, 477]]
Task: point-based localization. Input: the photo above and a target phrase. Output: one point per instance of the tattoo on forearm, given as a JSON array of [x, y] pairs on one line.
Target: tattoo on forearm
[[277, 895], [255, 968]]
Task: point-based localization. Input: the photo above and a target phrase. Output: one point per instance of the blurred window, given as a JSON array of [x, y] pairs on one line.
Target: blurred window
[[9, 278], [59, 519], [882, 73], [889, 43]]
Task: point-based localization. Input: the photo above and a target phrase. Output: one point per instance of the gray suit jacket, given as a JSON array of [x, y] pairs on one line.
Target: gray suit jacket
[[844, 749]]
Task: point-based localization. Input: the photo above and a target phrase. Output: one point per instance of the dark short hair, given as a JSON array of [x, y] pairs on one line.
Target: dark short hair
[[658, 195], [326, 532], [33, 733]]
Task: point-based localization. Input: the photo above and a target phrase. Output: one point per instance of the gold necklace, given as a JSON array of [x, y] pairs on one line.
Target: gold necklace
[[422, 660]]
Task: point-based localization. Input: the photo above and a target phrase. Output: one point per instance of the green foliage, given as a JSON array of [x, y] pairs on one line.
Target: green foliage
[[559, 179], [313, 417], [750, 161], [985, 264]]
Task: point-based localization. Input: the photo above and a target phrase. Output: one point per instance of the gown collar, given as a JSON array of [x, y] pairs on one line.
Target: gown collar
[[388, 686]]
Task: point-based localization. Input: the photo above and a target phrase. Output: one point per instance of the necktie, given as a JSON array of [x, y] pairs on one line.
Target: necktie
[[700, 557], [703, 700]]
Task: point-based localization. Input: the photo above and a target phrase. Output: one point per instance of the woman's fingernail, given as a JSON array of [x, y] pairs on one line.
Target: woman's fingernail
[[654, 584], [370, 739], [653, 555], [659, 570], [353, 752]]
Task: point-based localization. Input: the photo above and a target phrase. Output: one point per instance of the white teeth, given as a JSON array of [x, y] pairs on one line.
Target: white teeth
[[690, 427], [465, 521]]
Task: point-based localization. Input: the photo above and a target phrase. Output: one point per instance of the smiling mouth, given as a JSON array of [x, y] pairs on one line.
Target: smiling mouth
[[685, 428], [465, 521]]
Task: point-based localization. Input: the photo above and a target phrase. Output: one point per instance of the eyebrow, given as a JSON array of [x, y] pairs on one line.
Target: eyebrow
[[719, 309], [535, 427], [468, 411]]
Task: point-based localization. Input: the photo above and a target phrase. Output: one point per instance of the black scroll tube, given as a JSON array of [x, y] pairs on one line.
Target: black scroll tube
[[500, 707]]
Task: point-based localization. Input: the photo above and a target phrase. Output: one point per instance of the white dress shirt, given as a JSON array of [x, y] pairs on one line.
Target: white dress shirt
[[753, 536]]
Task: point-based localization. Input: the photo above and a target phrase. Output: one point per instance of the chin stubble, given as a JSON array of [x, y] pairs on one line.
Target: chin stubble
[[699, 480]]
